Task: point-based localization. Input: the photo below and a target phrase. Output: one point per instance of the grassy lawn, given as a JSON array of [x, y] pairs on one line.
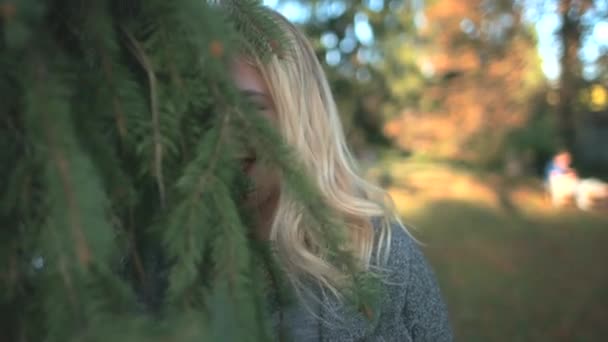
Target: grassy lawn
[[511, 267]]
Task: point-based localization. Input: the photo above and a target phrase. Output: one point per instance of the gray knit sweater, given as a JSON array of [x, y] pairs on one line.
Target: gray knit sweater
[[411, 307]]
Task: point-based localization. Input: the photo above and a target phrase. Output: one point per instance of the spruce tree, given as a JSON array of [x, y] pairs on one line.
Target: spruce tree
[[120, 211]]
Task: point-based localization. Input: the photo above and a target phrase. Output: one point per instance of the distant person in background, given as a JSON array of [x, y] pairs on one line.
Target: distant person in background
[[561, 179], [565, 186], [560, 166]]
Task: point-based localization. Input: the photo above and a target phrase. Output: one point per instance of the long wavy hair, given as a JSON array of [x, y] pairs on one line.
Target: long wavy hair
[[308, 120]]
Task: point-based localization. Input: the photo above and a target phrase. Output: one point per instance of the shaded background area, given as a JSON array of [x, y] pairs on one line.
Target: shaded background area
[[511, 267], [455, 107]]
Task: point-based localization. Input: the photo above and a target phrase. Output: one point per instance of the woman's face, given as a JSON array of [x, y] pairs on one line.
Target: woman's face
[[265, 179]]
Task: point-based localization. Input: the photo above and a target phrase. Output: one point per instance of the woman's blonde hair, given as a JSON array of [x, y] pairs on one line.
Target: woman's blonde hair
[[308, 120]]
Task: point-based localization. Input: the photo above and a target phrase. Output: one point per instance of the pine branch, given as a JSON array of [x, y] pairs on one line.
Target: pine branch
[[194, 183], [117, 92], [258, 27], [143, 59]]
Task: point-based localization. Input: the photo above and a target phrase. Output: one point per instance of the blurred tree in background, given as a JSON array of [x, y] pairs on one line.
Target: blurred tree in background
[[581, 112], [482, 72], [570, 33], [577, 96]]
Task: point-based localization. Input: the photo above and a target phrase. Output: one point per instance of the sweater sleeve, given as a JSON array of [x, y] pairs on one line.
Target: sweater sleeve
[[424, 311]]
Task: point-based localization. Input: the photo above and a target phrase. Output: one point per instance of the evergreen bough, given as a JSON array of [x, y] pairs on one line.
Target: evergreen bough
[[120, 211]]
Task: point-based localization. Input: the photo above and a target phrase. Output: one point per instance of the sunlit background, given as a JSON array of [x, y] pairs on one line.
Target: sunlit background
[[456, 107]]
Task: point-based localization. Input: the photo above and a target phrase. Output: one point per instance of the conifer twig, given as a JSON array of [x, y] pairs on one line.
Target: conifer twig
[[62, 166], [204, 178], [146, 64]]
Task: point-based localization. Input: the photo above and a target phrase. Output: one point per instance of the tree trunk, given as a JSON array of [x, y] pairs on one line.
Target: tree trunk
[[570, 37]]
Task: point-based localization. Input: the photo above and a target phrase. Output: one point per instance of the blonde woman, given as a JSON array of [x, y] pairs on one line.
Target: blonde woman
[[293, 93]]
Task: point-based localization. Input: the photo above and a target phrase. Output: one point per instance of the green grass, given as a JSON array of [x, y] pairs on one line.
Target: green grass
[[510, 266], [510, 277]]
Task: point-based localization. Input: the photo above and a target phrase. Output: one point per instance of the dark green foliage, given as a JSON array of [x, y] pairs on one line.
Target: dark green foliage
[[120, 212], [256, 24]]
